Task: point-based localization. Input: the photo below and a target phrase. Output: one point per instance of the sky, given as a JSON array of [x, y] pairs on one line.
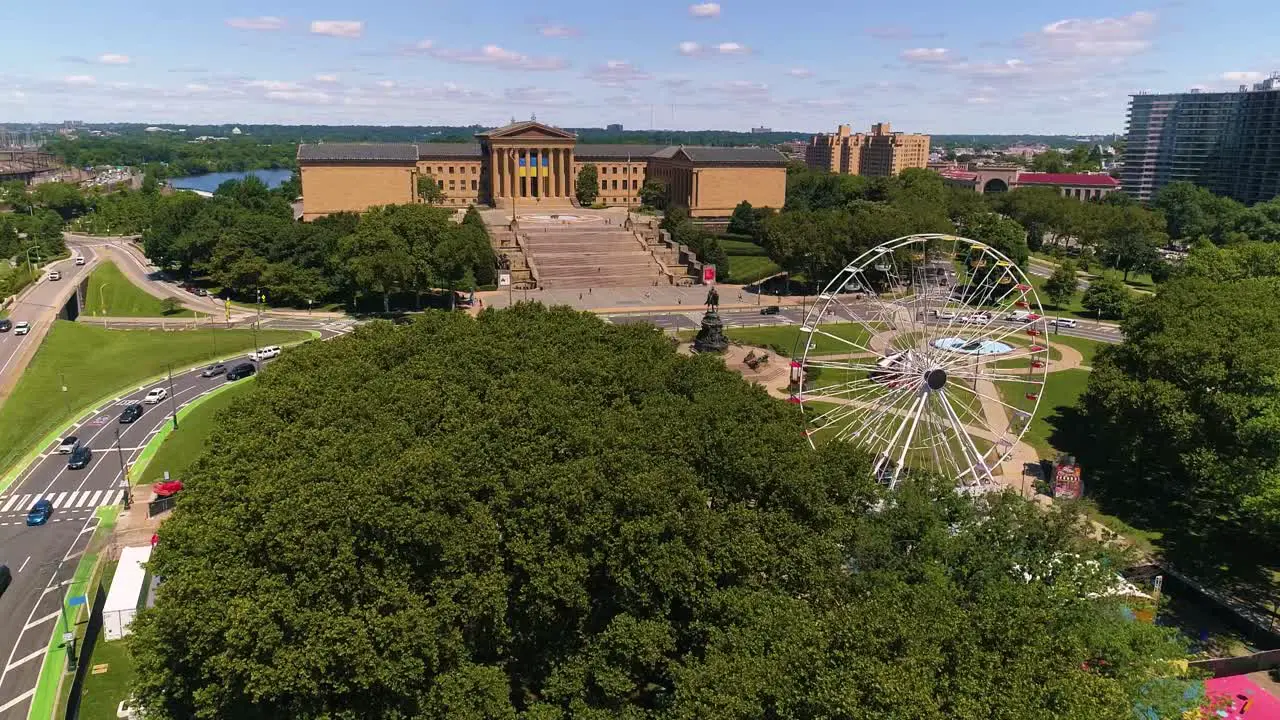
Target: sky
[[934, 66]]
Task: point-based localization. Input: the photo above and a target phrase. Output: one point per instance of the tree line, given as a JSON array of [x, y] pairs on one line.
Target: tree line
[[245, 241], [474, 518], [174, 156]]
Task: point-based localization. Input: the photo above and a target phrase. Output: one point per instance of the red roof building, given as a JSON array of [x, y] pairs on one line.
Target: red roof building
[[1002, 178]]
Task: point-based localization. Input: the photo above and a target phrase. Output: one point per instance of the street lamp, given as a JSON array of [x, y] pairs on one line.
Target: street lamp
[[31, 269], [124, 472]]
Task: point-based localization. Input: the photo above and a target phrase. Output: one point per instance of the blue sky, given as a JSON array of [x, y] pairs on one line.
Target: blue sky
[[924, 65]]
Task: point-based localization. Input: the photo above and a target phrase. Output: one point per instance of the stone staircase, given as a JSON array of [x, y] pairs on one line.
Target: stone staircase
[[594, 256]]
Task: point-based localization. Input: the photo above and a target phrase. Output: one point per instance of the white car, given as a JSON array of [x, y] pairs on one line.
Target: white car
[[265, 353], [68, 444], [155, 396], [55, 275], [22, 327], [1063, 322], [79, 259], [944, 314]]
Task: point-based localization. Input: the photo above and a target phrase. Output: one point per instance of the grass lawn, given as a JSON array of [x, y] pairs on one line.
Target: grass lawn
[[748, 262], [112, 294], [1088, 348], [1061, 391], [784, 339], [185, 444], [93, 362], [103, 692]]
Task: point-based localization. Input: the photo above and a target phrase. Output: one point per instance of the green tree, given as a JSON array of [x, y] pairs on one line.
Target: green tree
[[587, 186], [150, 183], [1107, 297], [379, 259], [63, 198], [1182, 421], [526, 548], [170, 305], [429, 190], [653, 193], [742, 221], [1192, 211], [1049, 161], [1001, 233], [1062, 285]]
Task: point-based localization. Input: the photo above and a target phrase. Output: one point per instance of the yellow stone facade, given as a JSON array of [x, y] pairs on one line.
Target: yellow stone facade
[[532, 166], [879, 153]]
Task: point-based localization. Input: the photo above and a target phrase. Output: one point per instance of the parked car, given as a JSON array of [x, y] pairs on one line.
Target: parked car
[[213, 370], [131, 413], [1063, 322], [265, 353], [771, 310], [155, 396], [6, 324], [39, 513], [943, 314], [79, 259], [166, 488], [22, 328], [80, 457], [68, 444], [243, 370], [55, 275]]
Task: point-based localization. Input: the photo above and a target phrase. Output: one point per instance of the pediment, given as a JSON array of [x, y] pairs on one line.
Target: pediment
[[528, 130]]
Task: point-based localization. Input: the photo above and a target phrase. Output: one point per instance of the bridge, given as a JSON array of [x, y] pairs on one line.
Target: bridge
[[25, 165]]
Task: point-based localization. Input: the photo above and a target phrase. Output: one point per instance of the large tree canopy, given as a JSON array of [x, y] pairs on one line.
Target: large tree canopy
[[1184, 420], [537, 515]]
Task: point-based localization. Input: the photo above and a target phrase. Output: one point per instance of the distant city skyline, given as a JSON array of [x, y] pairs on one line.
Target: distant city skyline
[[927, 66]]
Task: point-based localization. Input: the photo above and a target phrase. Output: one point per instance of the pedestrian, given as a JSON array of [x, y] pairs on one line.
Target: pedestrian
[[588, 291], [579, 296]]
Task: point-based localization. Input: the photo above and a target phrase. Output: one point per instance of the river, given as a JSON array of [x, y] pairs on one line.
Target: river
[[209, 182]]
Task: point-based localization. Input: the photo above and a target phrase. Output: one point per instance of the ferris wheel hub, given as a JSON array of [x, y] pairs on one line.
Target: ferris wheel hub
[[936, 378]]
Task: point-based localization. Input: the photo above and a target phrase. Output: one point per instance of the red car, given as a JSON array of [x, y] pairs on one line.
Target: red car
[[165, 489]]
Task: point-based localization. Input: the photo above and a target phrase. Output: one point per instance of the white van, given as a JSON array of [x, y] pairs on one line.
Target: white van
[[1018, 316], [265, 353]]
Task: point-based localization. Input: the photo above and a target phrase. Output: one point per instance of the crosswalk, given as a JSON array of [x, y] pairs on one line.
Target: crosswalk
[[75, 500]]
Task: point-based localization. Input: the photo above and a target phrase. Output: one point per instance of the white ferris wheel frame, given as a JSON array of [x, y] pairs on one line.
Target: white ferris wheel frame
[[886, 416]]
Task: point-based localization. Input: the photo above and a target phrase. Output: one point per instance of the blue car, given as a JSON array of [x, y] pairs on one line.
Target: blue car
[[39, 513]]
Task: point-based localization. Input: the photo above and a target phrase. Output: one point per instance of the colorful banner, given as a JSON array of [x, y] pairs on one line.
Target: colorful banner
[[708, 274], [1066, 481]]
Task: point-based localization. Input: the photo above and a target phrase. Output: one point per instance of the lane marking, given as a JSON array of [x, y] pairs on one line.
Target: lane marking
[[41, 621], [12, 501], [83, 499], [24, 696], [57, 501], [24, 564], [28, 658], [94, 501], [119, 497]]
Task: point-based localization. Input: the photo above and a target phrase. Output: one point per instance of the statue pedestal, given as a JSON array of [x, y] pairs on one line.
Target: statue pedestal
[[711, 337]]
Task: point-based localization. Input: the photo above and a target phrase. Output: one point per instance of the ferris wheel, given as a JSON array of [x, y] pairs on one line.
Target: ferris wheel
[[930, 352]]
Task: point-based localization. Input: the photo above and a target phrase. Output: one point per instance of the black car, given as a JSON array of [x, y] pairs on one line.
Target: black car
[[243, 370], [131, 413], [213, 370], [6, 577], [771, 310], [79, 457], [6, 324]]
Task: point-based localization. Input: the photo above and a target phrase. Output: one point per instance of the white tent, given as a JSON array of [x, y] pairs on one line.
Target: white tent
[[126, 592]]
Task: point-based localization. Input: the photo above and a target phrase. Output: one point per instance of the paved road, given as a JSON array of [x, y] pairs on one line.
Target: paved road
[[39, 306], [43, 559]]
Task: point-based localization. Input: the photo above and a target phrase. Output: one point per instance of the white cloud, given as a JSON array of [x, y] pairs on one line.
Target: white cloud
[[1242, 76], [197, 87], [262, 22], [1012, 66], [705, 10], [616, 73], [743, 87], [80, 80], [113, 59], [273, 85], [338, 28], [386, 84], [1098, 37], [926, 55], [491, 55], [732, 48], [555, 30], [305, 97], [688, 47], [800, 72], [538, 96], [325, 78]]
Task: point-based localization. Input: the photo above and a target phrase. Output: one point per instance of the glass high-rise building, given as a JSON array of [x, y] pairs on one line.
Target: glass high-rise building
[[1228, 142]]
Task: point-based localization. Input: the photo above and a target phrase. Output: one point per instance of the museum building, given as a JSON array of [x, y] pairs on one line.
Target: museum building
[[532, 165]]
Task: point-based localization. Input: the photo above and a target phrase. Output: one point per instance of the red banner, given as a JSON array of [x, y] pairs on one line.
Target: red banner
[[708, 274]]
